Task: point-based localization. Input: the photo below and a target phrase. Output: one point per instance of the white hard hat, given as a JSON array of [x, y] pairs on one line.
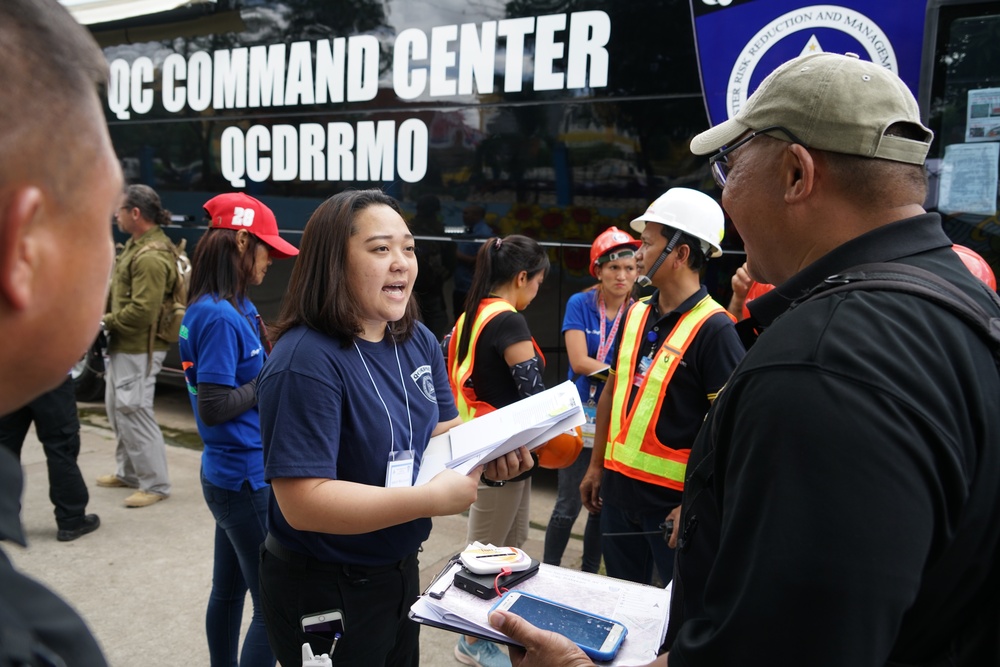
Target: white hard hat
[[690, 211]]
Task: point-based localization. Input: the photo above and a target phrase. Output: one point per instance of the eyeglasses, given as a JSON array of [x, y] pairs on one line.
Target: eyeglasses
[[624, 253], [719, 162]]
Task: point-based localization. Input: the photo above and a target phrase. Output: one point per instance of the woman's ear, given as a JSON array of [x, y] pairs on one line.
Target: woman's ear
[[522, 279], [242, 240]]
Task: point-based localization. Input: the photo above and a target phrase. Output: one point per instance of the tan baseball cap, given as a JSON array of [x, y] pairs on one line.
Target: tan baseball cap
[[832, 102]]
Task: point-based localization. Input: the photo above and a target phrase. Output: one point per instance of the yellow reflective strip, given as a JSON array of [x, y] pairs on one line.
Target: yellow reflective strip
[[465, 411], [622, 386], [666, 358], [628, 452], [656, 465]]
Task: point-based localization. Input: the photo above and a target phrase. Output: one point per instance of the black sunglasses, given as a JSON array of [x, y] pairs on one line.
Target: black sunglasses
[[719, 163]]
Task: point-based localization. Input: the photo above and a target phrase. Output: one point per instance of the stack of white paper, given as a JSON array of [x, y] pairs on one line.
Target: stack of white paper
[[531, 422], [642, 609]]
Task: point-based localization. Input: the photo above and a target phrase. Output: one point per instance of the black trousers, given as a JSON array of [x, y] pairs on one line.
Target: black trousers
[[373, 600], [58, 428]]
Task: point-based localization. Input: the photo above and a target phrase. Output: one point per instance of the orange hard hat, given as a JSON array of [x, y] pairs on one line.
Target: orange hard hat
[[756, 289], [610, 239], [560, 451], [976, 265]]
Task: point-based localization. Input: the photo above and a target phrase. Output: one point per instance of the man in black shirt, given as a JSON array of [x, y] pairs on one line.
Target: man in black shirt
[[842, 503]]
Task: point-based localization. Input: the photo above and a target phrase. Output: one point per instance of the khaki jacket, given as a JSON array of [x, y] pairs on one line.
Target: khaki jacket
[[138, 290]]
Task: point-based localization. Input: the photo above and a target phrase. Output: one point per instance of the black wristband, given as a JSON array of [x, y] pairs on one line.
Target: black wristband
[[490, 482]]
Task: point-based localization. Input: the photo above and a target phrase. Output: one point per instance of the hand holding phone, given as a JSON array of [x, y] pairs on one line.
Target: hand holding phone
[[598, 637]]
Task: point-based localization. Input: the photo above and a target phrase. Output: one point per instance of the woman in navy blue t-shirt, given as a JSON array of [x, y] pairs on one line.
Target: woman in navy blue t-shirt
[[352, 392]]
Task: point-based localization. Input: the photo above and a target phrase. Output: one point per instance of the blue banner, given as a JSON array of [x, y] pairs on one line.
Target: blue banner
[[741, 41]]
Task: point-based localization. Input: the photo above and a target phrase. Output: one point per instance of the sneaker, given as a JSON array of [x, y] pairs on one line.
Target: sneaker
[[112, 482], [480, 654], [144, 499], [91, 522]]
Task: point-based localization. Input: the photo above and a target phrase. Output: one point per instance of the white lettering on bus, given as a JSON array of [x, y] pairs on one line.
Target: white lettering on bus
[[454, 59], [373, 151], [449, 60]]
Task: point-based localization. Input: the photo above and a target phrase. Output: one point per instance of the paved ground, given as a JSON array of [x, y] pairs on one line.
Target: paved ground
[[142, 580]]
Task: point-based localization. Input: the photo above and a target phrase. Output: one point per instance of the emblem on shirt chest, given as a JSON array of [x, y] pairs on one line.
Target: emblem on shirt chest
[[424, 379]]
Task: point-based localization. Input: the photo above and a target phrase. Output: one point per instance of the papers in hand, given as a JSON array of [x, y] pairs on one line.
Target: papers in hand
[[531, 422]]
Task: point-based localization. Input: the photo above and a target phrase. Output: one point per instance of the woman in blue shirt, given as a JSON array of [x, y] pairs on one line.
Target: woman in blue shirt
[[354, 390], [222, 350], [590, 325]]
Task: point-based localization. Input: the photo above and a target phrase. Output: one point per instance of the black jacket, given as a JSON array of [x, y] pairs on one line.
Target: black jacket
[[842, 502]]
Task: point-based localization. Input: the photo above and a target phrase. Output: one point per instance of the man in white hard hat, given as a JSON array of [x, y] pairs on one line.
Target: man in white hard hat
[[675, 351], [843, 502]]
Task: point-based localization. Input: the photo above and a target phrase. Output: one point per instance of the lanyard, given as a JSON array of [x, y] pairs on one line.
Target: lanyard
[[406, 397], [607, 340]]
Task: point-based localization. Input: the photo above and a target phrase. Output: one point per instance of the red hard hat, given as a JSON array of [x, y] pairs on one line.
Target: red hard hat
[[978, 266], [756, 289], [608, 240]]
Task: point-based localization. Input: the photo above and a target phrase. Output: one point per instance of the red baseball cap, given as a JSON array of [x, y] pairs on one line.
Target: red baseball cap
[[235, 210]]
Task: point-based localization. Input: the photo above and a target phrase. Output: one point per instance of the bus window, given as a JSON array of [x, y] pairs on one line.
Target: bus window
[[960, 96]]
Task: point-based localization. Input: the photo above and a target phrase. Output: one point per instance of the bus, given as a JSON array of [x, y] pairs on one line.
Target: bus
[[560, 118]]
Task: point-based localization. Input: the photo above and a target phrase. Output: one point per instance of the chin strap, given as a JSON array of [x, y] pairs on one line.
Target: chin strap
[[647, 279]]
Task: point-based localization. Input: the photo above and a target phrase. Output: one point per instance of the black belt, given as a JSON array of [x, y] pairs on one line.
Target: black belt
[[301, 560]]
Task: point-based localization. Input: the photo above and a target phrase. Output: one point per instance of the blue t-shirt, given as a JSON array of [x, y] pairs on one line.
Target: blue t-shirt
[[583, 315], [322, 416], [221, 345]]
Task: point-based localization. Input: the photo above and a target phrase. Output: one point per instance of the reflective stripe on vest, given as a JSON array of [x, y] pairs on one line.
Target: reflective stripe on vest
[[634, 449], [459, 373]]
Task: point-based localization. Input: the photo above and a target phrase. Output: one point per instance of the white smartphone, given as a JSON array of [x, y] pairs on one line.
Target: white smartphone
[[597, 636], [325, 624]]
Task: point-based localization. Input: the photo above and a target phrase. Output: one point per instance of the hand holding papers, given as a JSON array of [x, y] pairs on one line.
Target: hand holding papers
[[530, 422]]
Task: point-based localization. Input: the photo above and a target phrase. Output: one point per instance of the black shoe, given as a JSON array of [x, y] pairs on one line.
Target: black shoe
[[91, 522]]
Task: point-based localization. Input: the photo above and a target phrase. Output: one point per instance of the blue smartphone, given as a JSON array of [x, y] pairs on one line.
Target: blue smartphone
[[596, 636]]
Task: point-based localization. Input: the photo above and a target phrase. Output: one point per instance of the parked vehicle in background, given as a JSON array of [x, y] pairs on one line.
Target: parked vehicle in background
[[560, 119]]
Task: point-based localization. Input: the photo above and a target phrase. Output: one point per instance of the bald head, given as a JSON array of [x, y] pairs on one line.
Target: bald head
[[50, 69], [59, 184]]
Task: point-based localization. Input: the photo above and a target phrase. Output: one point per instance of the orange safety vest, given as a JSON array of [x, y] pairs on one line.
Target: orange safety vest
[[460, 371], [633, 448]]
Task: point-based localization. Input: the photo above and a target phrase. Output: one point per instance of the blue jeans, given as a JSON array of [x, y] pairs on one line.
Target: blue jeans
[[240, 527], [567, 508], [632, 557]]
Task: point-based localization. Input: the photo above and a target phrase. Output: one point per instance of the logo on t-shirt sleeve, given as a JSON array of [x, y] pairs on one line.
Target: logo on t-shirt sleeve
[[424, 378]]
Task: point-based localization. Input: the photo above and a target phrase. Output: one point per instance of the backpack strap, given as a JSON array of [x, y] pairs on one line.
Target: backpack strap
[[173, 251], [895, 277]]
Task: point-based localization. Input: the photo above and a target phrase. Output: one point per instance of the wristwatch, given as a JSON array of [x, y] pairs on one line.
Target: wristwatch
[[490, 482]]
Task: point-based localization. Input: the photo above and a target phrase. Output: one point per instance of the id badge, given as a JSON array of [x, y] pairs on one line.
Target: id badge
[[640, 372], [589, 427], [399, 470]]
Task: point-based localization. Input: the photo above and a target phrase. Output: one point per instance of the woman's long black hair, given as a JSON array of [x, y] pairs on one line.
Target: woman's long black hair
[[499, 261]]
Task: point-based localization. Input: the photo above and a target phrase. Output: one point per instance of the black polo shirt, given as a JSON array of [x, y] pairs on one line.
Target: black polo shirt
[[704, 369], [842, 503]]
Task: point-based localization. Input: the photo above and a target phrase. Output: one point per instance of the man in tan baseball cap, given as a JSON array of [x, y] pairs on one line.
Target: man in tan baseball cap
[[842, 500]]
